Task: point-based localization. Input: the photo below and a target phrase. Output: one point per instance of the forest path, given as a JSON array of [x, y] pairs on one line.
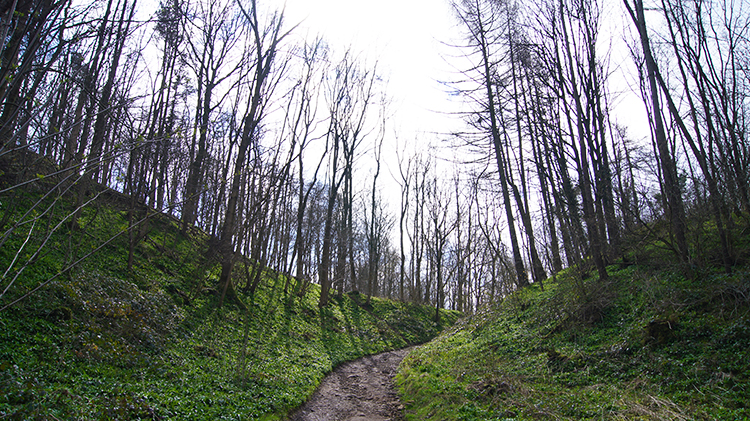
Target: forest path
[[360, 390]]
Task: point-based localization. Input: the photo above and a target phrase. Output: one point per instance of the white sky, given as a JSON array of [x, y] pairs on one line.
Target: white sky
[[411, 41], [409, 37], [408, 40], [405, 37]]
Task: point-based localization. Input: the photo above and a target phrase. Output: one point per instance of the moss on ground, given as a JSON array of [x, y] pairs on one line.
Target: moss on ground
[[107, 342], [645, 345]]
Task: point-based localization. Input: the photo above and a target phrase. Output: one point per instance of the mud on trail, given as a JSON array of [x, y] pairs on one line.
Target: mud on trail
[[360, 390]]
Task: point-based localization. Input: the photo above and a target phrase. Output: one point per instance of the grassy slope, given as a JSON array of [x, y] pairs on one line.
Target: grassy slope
[[648, 345], [102, 342]]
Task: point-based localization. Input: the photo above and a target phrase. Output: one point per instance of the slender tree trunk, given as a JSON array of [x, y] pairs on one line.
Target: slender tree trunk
[[325, 257], [676, 210], [488, 81], [589, 213]]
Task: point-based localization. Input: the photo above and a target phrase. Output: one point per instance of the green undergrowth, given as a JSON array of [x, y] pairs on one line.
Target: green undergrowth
[[107, 342], [645, 345]]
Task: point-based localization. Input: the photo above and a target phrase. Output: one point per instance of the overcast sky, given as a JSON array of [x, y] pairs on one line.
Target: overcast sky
[[406, 37], [411, 41]]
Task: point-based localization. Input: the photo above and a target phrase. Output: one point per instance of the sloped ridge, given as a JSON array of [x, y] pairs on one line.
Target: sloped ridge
[[109, 341], [661, 346]]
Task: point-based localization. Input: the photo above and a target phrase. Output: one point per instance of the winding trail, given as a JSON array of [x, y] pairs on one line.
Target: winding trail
[[360, 390]]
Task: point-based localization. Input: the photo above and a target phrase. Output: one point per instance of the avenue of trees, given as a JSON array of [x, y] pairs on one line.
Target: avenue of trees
[[216, 113]]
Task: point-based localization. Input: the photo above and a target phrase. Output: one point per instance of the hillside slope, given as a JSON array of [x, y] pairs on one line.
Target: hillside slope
[[647, 345], [106, 342]]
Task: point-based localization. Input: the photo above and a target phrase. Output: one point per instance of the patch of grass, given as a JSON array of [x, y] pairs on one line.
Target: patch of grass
[[648, 345], [414, 323], [105, 342]]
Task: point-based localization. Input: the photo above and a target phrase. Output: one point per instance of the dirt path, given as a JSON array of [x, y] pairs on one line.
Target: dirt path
[[360, 390]]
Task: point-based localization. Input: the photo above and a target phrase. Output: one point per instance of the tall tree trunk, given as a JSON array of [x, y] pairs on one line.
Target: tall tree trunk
[[105, 105], [498, 148], [589, 213], [262, 70], [325, 256], [676, 209]]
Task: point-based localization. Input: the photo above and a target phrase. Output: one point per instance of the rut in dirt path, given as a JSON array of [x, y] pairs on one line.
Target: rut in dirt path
[[360, 390]]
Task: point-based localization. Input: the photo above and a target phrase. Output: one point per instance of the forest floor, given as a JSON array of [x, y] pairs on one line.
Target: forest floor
[[360, 390], [111, 339]]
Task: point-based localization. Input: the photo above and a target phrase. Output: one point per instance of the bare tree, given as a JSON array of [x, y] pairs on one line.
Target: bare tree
[[708, 81], [301, 126], [483, 19], [673, 193], [350, 92], [265, 47], [405, 175], [212, 33], [375, 231]]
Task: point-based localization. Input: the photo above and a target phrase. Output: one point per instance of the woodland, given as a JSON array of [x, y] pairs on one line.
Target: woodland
[[191, 186]]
